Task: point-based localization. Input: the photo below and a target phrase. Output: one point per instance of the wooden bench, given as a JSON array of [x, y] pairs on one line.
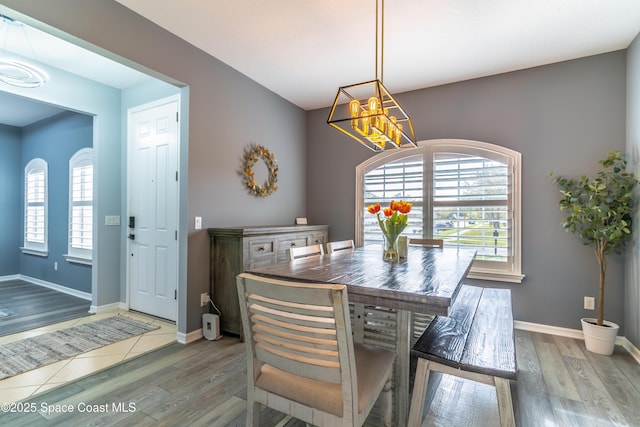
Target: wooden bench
[[475, 342]]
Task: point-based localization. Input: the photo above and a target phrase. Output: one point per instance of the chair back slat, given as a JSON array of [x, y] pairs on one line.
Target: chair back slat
[[307, 307]]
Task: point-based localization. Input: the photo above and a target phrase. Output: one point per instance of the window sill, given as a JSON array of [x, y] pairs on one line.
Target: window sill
[[78, 259], [496, 276], [36, 252]]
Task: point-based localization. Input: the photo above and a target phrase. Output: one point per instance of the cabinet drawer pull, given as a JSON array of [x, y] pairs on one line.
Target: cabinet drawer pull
[[261, 249], [293, 243]]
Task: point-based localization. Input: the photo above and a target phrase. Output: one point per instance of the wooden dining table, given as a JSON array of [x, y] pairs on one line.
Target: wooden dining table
[[386, 296]]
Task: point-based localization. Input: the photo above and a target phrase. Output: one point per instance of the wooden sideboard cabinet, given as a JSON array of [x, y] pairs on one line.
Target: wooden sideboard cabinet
[[235, 249]]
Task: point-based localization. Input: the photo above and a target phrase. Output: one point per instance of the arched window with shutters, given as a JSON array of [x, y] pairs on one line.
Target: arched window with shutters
[[466, 193], [36, 208]]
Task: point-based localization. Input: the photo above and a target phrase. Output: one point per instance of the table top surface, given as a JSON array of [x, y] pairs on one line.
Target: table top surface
[[426, 282]]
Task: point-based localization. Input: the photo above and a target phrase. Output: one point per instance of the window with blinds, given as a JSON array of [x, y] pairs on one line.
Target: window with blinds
[[466, 193], [80, 206], [35, 210]]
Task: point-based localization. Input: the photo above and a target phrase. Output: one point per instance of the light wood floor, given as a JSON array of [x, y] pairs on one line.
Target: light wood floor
[[203, 384]]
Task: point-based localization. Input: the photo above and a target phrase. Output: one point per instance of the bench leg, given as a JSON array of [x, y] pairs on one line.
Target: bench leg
[[505, 406], [419, 393]]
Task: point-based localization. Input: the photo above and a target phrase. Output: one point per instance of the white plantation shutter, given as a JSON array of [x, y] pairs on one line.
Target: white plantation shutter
[[81, 206], [35, 211], [466, 193], [470, 204], [399, 180]]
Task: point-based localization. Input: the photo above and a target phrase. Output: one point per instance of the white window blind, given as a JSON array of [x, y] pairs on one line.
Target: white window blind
[[35, 210], [35, 206], [81, 206], [470, 204], [398, 180]]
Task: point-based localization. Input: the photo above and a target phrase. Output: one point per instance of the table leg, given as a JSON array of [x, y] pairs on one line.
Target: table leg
[[403, 355]]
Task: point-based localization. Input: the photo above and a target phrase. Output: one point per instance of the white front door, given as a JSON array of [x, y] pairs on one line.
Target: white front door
[[153, 208]]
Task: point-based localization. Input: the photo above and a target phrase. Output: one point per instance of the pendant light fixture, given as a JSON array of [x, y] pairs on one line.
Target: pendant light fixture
[[13, 71], [367, 112]]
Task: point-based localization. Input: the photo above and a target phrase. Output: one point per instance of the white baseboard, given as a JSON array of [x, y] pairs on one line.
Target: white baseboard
[[11, 277], [547, 329], [56, 287], [573, 333]]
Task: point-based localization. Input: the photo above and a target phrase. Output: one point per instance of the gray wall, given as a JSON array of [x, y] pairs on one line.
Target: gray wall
[[10, 196], [227, 112], [632, 277], [562, 117]]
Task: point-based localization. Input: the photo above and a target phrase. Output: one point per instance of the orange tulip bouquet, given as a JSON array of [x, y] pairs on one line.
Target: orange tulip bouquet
[[392, 225]]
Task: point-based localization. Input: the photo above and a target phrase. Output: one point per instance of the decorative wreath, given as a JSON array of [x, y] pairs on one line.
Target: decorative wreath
[[251, 156]]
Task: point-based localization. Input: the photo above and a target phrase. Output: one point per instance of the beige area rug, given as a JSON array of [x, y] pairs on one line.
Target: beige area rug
[[31, 353]]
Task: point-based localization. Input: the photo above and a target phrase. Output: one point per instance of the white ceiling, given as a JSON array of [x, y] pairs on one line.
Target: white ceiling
[[305, 50]]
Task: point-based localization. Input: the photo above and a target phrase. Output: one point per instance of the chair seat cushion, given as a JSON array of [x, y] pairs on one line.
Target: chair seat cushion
[[373, 365]]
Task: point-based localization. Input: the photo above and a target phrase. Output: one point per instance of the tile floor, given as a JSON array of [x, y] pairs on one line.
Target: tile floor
[[33, 382]]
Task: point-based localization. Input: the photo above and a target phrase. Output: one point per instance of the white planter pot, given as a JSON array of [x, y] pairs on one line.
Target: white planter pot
[[599, 339]]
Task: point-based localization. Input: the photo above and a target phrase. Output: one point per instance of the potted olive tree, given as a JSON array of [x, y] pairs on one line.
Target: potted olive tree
[[599, 212]]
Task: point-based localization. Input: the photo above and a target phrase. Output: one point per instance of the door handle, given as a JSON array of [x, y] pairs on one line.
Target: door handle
[[132, 236]]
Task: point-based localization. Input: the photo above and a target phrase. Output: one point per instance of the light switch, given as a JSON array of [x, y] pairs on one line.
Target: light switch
[[112, 220]]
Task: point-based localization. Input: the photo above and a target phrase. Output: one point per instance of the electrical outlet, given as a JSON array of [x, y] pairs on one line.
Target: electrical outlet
[[198, 223], [204, 299], [589, 303], [55, 266]]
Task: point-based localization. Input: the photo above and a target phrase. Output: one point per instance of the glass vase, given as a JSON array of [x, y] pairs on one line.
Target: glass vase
[[390, 249]]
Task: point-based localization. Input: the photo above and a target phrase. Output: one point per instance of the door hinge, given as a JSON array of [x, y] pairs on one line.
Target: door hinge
[[177, 117], [176, 232], [176, 175], [175, 294]]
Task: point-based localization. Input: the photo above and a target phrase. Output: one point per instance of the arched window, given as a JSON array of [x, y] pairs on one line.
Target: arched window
[[80, 207], [466, 193], [36, 208]]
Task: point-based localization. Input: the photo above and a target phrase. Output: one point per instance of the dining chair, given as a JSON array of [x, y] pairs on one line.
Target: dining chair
[[305, 251], [341, 245], [301, 358], [428, 243]]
